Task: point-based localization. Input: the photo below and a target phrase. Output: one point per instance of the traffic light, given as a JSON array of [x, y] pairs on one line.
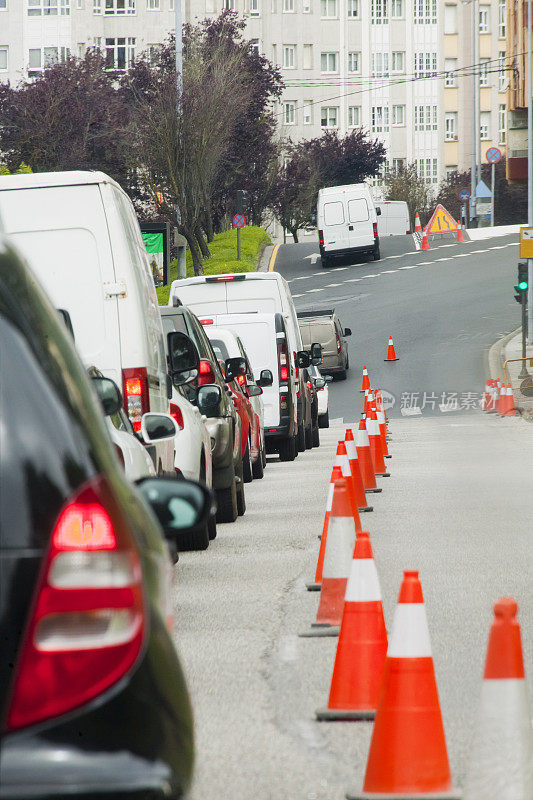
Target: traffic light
[[241, 201], [522, 285]]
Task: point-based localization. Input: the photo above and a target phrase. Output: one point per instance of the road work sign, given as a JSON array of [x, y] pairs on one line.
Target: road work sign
[[441, 222], [526, 242]]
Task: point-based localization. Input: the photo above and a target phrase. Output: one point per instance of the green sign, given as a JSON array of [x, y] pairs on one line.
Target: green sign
[[154, 247]]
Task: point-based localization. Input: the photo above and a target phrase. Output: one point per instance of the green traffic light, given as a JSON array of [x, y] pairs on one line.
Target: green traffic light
[[522, 286]]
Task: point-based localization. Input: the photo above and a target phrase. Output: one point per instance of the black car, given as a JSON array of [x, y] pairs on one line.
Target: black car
[[93, 702]]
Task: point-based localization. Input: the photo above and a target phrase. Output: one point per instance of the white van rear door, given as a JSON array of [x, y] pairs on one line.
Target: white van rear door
[[335, 224], [360, 228], [203, 298], [63, 233]]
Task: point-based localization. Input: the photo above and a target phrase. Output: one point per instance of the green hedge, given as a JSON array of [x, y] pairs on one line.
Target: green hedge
[[224, 256]]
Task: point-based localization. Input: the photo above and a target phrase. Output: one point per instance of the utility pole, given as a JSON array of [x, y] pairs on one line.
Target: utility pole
[[181, 243], [475, 128], [529, 164]]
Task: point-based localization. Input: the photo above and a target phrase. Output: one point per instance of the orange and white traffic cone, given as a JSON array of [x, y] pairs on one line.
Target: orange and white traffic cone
[[362, 645], [376, 449], [506, 406], [391, 353], [488, 401], [336, 474], [501, 763], [408, 757], [418, 226], [337, 559], [496, 394], [379, 399], [357, 480], [460, 236], [342, 461], [366, 464], [425, 243], [369, 399], [378, 406], [366, 380]]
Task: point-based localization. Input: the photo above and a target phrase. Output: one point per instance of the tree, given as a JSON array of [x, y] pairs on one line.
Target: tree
[[404, 184]]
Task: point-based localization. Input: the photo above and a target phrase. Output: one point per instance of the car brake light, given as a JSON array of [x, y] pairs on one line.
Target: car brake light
[[225, 278], [205, 374], [283, 402], [407, 233], [283, 373], [310, 385], [206, 321], [136, 394], [321, 237], [375, 227], [338, 343], [283, 361], [241, 380], [87, 625], [177, 415]]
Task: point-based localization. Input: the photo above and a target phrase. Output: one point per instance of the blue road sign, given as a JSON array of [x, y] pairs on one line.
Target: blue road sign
[[493, 155], [239, 221], [464, 195]]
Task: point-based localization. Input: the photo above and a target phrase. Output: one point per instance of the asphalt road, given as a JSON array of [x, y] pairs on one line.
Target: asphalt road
[[455, 507]]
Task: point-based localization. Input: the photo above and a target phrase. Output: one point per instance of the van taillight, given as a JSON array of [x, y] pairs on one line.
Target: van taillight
[[283, 361], [321, 237], [375, 226], [338, 343], [87, 625], [177, 415], [407, 233], [136, 394], [225, 278], [206, 321], [205, 374], [283, 402], [241, 380]]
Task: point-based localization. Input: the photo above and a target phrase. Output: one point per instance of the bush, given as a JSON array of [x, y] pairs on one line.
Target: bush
[[223, 251]]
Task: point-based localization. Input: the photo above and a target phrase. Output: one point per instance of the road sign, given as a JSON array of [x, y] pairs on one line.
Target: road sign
[[493, 155], [239, 221], [441, 222], [526, 242], [464, 194]]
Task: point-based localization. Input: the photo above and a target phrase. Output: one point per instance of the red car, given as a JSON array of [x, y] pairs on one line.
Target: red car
[[250, 424]]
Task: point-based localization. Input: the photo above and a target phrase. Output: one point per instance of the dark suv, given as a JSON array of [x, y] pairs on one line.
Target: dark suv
[[223, 423], [93, 702]]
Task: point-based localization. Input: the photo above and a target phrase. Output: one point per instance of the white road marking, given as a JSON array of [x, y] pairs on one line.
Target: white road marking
[[411, 412]]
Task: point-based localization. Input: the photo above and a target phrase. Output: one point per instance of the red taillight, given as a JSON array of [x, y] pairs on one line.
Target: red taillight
[[217, 278], [283, 373], [224, 278], [87, 625], [375, 226], [283, 361], [407, 233], [310, 385], [283, 402], [136, 394], [205, 374], [241, 380], [206, 321], [338, 343], [321, 237], [177, 415]]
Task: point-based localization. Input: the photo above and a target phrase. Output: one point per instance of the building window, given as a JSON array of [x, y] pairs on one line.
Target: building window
[[353, 9], [3, 5], [306, 6], [380, 65], [308, 112], [353, 62], [119, 53], [40, 58], [450, 79], [398, 61], [398, 116], [328, 62], [450, 169], [426, 118], [4, 61], [328, 9], [450, 126], [289, 56], [502, 20], [379, 12], [380, 119], [97, 6], [288, 6], [450, 19], [114, 7], [484, 19], [79, 5], [396, 9], [328, 116], [48, 8], [254, 8], [153, 5], [484, 71], [484, 125], [425, 12], [425, 65], [289, 112], [502, 127], [427, 169], [354, 116], [254, 46], [82, 47], [398, 164], [502, 74]]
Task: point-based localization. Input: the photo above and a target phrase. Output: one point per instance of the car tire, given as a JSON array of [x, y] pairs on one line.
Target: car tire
[[247, 473], [377, 254], [241, 499], [323, 420], [287, 449], [227, 510], [300, 441], [258, 469], [316, 435], [341, 375], [309, 437], [325, 262], [195, 541], [212, 528], [347, 363], [264, 455]]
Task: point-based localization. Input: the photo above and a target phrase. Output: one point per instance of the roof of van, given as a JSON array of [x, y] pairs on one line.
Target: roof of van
[[40, 180], [343, 188], [226, 276]]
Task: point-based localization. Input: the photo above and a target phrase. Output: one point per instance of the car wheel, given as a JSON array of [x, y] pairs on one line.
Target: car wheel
[[241, 499], [212, 528], [227, 503], [347, 362], [323, 420], [258, 469], [195, 541], [287, 449], [325, 262], [309, 437], [247, 474], [264, 455], [341, 375], [300, 443], [316, 436], [377, 254]]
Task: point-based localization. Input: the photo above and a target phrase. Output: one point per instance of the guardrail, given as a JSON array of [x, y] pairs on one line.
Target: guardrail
[[521, 381]]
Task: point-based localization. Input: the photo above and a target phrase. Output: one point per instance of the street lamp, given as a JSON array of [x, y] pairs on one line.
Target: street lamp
[[475, 109]]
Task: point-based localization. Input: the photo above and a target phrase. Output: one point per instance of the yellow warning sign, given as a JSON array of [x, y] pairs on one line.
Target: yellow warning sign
[[441, 222], [526, 242]]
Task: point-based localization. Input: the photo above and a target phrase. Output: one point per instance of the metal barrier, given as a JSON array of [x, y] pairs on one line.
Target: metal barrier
[[521, 381]]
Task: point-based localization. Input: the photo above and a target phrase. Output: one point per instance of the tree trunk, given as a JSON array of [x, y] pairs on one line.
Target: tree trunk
[[196, 254], [294, 232], [201, 242], [208, 226]]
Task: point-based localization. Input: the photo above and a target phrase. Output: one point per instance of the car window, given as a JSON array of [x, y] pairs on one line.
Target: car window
[[334, 213], [199, 337], [221, 351], [358, 210]]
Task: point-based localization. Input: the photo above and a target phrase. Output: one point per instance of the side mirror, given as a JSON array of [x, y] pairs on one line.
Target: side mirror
[[157, 427], [183, 358], [303, 359], [180, 506], [109, 395], [320, 383], [347, 331], [266, 378], [378, 211], [316, 353], [208, 400], [254, 390], [234, 367]]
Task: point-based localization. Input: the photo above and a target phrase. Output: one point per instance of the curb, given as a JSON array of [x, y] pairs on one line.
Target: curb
[[493, 356], [264, 260]]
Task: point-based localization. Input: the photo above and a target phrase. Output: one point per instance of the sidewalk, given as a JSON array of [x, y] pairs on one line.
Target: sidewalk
[[508, 349]]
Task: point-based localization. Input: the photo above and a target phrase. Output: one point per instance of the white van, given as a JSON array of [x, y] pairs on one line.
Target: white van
[[394, 218], [347, 222], [81, 237]]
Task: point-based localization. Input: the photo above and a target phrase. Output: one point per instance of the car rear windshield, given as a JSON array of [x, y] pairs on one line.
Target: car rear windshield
[[358, 210], [221, 351]]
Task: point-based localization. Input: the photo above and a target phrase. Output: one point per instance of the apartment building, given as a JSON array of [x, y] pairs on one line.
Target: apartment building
[[517, 91], [392, 66]]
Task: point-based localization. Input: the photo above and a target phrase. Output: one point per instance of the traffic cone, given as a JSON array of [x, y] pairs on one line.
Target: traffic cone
[[418, 226], [379, 399], [366, 380], [342, 461], [391, 353], [495, 391], [362, 645], [501, 764], [337, 559], [507, 408], [488, 399], [460, 237], [369, 399], [382, 426], [357, 480], [376, 450], [362, 445], [425, 243], [336, 474], [407, 757]]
